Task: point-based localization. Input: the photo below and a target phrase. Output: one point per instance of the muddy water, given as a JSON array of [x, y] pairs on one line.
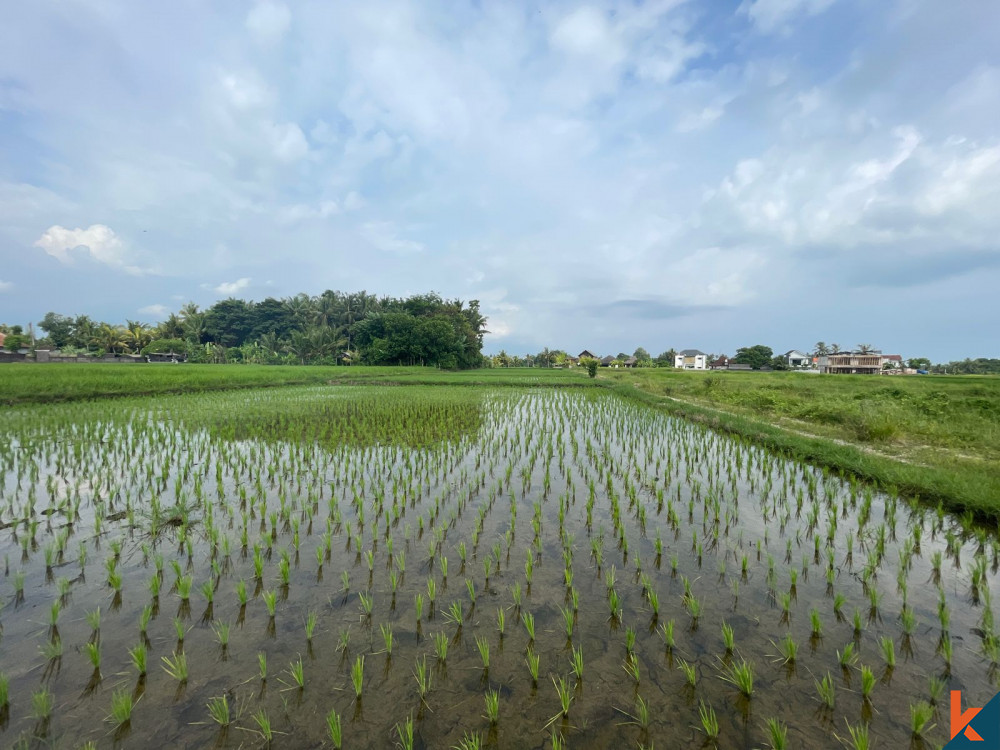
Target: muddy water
[[711, 500]]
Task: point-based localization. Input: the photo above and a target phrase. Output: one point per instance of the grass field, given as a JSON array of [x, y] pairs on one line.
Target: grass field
[[23, 384], [934, 437]]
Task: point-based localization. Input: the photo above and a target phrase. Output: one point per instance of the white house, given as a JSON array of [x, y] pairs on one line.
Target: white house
[[691, 359], [797, 359]]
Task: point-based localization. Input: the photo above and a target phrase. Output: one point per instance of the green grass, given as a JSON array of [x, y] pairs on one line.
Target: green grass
[[45, 383], [933, 437]]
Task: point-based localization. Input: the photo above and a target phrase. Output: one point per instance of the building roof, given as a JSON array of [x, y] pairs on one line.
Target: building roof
[[691, 352], [722, 360], [893, 357], [631, 361], [587, 353], [794, 351], [607, 360]]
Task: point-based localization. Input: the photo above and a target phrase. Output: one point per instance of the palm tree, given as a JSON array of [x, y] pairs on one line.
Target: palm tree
[[171, 328], [110, 338], [865, 348], [834, 348], [822, 349], [137, 334]]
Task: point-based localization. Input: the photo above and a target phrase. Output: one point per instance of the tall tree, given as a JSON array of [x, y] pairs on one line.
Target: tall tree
[[821, 349], [756, 356]]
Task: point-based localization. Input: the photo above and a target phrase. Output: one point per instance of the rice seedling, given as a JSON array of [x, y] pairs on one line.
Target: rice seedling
[[296, 671], [218, 710], [533, 661], [867, 682], [728, 637], [826, 690], [484, 652], [472, 741], [576, 663], [367, 602], [565, 694], [888, 650], [529, 625], [423, 678], [138, 656], [858, 735], [176, 667], [816, 623], [454, 614], [405, 733], [221, 630], [42, 704], [4, 691], [121, 708], [93, 649], [262, 665], [501, 621], [441, 646], [358, 676], [788, 648], [847, 657], [709, 721], [271, 602], [263, 723], [740, 675], [777, 732], [690, 675], [334, 729], [387, 638], [492, 700]]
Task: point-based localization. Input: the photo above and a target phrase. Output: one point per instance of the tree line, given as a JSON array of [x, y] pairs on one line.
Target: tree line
[[328, 328]]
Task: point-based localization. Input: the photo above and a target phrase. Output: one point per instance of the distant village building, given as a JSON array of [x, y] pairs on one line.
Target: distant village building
[[606, 362], [691, 359], [860, 363], [587, 353], [721, 363], [631, 362], [796, 359]]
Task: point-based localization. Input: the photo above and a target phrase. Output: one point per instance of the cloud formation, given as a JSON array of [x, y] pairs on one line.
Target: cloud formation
[[230, 288], [602, 175]]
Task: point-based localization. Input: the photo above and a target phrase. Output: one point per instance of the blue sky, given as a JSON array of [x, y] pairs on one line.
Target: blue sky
[[602, 176]]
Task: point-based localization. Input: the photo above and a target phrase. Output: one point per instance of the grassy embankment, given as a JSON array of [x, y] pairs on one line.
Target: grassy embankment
[[933, 437]]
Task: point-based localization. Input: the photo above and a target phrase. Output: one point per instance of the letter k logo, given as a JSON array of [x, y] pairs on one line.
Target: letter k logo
[[960, 721]]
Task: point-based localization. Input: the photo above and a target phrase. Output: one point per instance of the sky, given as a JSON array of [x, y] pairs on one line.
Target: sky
[[603, 175]]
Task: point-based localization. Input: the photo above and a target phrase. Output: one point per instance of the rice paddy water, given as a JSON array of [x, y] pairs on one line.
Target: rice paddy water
[[376, 566]]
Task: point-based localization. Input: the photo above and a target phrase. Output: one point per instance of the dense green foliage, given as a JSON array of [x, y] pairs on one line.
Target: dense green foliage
[[332, 327]]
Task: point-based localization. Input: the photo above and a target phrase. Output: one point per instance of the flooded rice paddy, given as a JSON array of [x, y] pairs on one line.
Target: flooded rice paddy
[[438, 567]]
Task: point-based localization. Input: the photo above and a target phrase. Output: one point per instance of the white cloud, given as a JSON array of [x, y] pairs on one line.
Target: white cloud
[[384, 236], [586, 32], [268, 21], [98, 242], [699, 120], [303, 211], [155, 311], [772, 15], [5, 285], [232, 287], [288, 142]]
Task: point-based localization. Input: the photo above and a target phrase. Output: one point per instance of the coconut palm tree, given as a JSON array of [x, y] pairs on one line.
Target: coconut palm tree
[[110, 338], [137, 334]]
